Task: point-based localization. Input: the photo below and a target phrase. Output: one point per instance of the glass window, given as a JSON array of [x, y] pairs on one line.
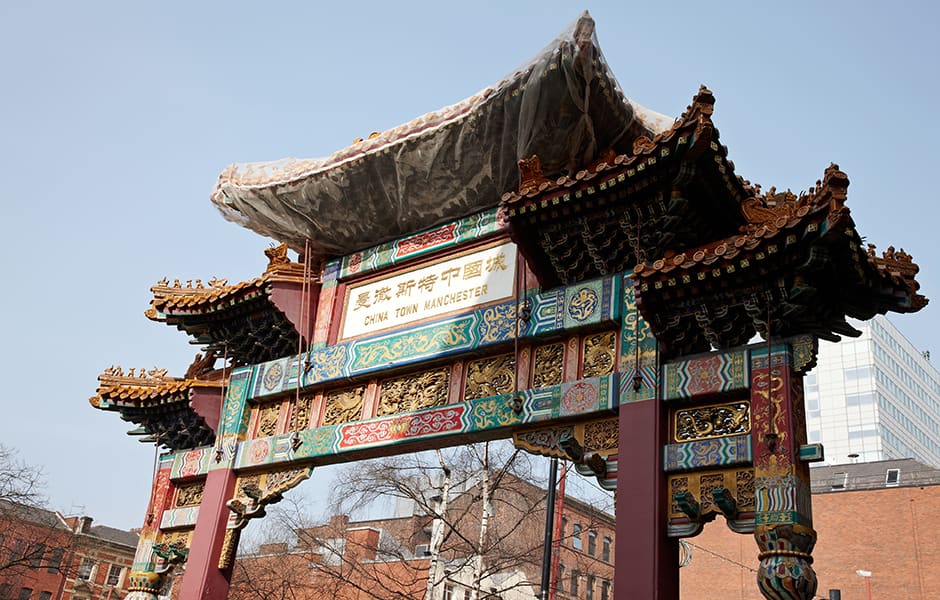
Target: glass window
[[85, 569], [590, 587], [576, 542], [37, 553], [55, 560], [592, 542], [114, 575], [605, 590], [45, 596], [25, 593], [574, 583], [605, 549]]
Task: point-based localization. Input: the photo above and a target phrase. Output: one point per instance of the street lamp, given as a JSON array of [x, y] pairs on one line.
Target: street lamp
[[867, 576]]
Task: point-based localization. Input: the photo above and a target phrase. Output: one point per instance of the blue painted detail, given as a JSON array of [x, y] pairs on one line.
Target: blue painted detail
[[717, 452]]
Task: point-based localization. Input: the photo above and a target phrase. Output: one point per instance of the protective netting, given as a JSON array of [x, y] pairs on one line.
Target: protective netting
[[564, 105]]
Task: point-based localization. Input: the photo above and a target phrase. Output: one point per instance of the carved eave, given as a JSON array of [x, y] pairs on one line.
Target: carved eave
[[674, 191], [249, 322], [797, 262], [171, 411]]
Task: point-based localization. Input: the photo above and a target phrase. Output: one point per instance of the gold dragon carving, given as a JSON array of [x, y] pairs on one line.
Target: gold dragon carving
[[490, 377], [599, 354], [414, 392], [708, 422], [343, 406], [548, 365]]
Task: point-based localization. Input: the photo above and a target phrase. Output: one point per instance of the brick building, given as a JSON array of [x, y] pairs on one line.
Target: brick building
[[879, 517], [390, 558], [46, 556]]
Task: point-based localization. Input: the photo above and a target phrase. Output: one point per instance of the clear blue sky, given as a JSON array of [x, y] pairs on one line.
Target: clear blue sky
[[117, 117]]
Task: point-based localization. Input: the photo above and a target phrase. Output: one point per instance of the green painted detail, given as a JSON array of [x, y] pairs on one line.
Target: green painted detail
[[812, 453], [418, 343], [234, 415]]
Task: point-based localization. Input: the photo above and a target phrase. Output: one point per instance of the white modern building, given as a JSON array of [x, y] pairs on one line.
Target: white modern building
[[875, 397]]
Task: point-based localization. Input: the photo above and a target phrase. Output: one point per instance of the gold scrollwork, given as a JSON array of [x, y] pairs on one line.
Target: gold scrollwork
[[267, 419], [599, 354], [548, 365], [413, 392], [490, 377], [180, 538], [601, 435], [300, 413], [189, 495], [706, 422], [740, 482], [343, 406]]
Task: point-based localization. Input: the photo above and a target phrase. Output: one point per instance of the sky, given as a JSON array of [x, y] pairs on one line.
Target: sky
[[116, 119]]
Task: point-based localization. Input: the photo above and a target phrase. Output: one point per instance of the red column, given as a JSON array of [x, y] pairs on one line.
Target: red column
[[203, 580], [647, 561]]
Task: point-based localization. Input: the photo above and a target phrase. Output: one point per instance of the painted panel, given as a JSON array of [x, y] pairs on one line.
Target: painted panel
[[457, 284], [385, 255], [452, 335], [192, 463], [235, 415], [708, 453], [179, 517], [710, 374], [578, 398]]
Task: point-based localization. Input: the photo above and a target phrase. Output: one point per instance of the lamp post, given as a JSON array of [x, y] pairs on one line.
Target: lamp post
[[867, 576]]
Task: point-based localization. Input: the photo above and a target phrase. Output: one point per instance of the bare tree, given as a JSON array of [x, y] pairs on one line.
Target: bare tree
[[32, 539], [470, 519]]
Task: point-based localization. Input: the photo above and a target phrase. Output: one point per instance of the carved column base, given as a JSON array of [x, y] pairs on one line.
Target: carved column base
[[785, 562]]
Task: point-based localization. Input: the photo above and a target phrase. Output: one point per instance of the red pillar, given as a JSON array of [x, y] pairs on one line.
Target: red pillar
[[203, 580], [647, 561]]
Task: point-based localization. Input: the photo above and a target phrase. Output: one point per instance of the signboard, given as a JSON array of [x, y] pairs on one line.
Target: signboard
[[458, 284]]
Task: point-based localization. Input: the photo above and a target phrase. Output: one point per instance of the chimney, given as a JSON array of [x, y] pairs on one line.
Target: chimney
[[84, 524], [339, 523], [362, 543]]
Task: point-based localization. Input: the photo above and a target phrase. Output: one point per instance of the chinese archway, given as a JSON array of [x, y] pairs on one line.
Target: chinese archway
[[546, 261]]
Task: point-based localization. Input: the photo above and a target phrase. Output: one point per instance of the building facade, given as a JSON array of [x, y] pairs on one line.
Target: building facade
[[47, 556], [392, 557], [874, 397], [876, 523]]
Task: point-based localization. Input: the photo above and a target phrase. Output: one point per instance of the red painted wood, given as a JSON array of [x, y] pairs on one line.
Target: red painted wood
[[207, 402], [202, 579], [647, 560], [288, 297]]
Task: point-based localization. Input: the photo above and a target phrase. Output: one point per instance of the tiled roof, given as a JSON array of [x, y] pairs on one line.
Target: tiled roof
[[117, 536], [193, 297], [146, 388]]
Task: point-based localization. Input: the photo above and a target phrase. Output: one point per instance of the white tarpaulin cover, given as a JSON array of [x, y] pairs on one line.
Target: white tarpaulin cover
[[564, 105]]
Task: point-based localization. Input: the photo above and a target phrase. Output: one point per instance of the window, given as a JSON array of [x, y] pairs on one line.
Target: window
[[576, 542], [893, 477], [605, 590], [449, 592], [55, 560], [605, 549], [839, 481], [37, 553], [85, 569], [114, 575], [590, 587], [592, 542], [564, 527], [45, 596], [25, 593], [560, 582], [574, 583]]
